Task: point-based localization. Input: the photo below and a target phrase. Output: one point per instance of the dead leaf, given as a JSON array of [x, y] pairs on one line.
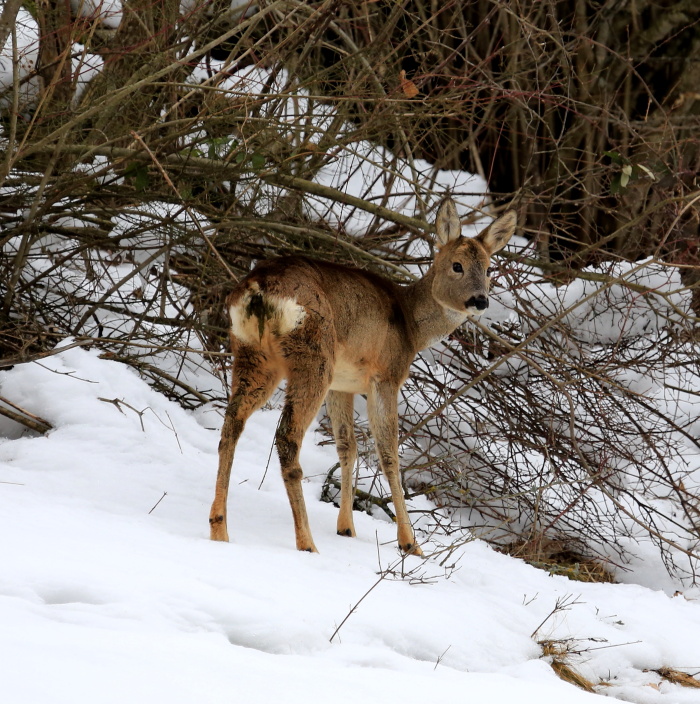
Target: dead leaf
[[407, 86]]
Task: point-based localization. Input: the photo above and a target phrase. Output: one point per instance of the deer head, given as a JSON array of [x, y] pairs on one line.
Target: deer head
[[462, 264]]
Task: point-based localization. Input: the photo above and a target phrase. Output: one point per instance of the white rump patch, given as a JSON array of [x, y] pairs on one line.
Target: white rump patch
[[291, 314], [240, 326], [285, 315]]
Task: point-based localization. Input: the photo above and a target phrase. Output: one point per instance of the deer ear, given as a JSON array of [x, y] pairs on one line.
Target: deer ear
[[447, 223], [497, 235]]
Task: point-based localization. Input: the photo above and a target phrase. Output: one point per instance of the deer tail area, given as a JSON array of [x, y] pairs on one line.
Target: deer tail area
[[258, 316]]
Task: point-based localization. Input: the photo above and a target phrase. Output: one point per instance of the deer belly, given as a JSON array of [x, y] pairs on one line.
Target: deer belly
[[350, 377]]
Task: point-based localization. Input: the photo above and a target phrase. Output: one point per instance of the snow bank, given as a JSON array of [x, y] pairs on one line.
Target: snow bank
[[106, 595], [620, 300]]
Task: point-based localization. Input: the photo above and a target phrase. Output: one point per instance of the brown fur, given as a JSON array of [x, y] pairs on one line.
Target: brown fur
[[334, 331]]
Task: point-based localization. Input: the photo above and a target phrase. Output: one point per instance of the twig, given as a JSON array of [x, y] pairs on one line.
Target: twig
[[24, 417], [23, 359], [353, 608], [165, 493], [360, 495], [269, 454], [440, 657], [118, 403], [563, 603]]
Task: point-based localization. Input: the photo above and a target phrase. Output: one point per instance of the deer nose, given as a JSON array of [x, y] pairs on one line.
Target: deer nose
[[478, 302]]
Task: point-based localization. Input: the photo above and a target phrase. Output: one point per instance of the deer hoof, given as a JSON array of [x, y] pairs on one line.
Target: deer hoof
[[412, 549], [218, 529]]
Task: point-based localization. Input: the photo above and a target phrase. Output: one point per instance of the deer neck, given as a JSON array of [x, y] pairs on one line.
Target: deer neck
[[433, 320]]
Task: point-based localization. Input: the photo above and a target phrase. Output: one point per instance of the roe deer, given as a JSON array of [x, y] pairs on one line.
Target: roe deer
[[333, 331]]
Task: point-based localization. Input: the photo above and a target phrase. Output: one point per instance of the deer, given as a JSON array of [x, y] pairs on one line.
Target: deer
[[333, 331]]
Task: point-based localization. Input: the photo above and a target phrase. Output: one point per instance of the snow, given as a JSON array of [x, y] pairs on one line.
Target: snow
[[106, 596], [19, 55], [629, 300], [27, 48], [85, 65], [106, 12]]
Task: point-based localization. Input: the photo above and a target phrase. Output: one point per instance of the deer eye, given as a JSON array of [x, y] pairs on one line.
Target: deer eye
[[457, 267], [490, 271]]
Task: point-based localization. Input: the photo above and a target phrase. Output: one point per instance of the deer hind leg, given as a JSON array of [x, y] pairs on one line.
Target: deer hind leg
[[254, 380], [308, 379], [382, 409], [340, 410]]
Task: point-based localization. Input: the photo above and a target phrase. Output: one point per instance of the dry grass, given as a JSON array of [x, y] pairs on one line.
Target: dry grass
[[568, 674], [557, 651], [678, 677], [558, 559]]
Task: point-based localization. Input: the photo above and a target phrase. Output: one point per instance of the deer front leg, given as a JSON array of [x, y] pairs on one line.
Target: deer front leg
[[340, 410], [382, 409]]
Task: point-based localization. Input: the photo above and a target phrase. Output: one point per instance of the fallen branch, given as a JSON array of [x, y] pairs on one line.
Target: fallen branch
[[24, 417]]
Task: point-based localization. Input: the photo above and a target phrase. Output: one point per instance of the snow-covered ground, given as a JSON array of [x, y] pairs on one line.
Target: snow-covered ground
[[104, 598], [110, 589]]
